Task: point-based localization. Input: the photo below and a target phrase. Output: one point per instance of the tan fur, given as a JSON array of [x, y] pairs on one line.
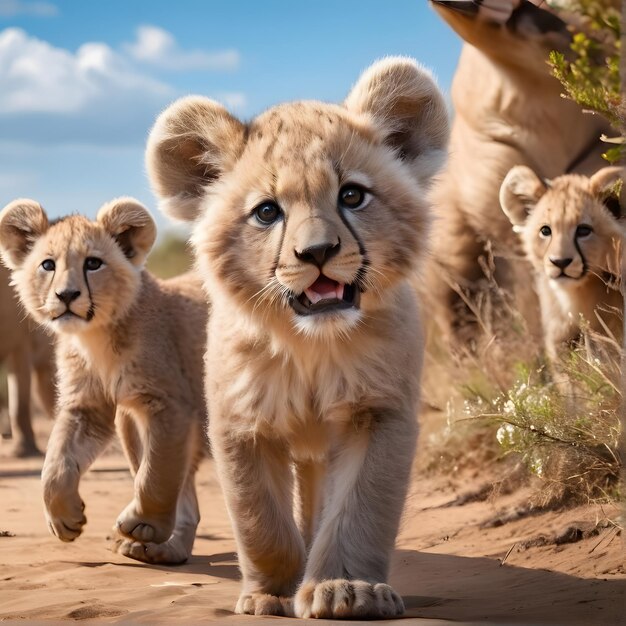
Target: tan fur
[[129, 357], [508, 111], [573, 242], [332, 394], [28, 352]]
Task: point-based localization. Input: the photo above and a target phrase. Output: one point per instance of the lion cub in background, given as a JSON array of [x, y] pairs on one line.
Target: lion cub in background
[[571, 235], [129, 352], [310, 221]]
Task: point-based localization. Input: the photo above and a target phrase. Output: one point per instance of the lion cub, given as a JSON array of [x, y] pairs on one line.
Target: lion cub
[[129, 352], [571, 235], [310, 221]]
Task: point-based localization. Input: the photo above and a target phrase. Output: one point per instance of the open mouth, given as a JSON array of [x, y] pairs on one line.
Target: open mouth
[[325, 294]]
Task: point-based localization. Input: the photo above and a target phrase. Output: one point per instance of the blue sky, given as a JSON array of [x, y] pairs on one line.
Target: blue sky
[[82, 81]]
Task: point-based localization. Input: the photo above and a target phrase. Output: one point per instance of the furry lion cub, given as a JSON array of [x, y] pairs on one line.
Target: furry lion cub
[[310, 219], [570, 231], [129, 358]]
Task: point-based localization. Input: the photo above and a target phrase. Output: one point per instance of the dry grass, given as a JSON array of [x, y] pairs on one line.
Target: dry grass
[[566, 434], [502, 408]]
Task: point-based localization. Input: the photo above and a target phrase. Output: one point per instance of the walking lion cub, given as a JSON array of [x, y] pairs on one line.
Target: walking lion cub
[[572, 238], [129, 352], [310, 221]]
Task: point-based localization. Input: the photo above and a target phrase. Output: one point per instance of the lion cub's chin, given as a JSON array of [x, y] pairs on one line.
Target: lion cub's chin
[[565, 281], [68, 324], [328, 324]]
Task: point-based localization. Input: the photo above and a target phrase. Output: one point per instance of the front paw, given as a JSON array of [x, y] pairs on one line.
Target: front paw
[[64, 513], [263, 604], [144, 527], [342, 598]]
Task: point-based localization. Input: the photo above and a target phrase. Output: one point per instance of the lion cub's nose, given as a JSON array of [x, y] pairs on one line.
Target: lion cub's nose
[[560, 263], [319, 253], [68, 295]]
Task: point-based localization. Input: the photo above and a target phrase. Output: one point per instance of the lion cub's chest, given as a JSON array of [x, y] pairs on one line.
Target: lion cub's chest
[[592, 301], [105, 364], [301, 402]]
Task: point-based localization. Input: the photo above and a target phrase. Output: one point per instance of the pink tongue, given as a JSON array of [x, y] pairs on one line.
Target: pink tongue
[[324, 289]]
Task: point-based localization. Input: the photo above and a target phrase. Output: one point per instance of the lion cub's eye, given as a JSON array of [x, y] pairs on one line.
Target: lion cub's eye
[[48, 265], [584, 230], [93, 263], [352, 196], [267, 213], [545, 231]]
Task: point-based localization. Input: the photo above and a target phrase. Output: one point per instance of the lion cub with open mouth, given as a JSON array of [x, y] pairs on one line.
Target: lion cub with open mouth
[[129, 352], [310, 221]]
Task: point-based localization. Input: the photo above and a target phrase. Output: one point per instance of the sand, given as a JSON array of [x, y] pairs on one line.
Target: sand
[[556, 568]]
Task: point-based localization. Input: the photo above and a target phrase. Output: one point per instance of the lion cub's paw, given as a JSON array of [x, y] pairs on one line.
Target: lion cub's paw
[[168, 553], [347, 598], [143, 527], [65, 514], [263, 604]]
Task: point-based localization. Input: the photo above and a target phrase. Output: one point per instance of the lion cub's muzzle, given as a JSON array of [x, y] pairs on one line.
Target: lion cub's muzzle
[[324, 294], [565, 268], [67, 297]]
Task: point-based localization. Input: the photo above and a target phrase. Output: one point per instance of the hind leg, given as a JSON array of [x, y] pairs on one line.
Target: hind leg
[[18, 380], [177, 549], [130, 438], [45, 387], [168, 444]]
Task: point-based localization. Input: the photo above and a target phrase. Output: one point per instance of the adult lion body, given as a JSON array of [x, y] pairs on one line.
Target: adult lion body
[[572, 238], [129, 355], [29, 353], [310, 221], [508, 111]]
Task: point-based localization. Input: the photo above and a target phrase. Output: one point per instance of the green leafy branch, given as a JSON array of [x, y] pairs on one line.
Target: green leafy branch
[[591, 74]]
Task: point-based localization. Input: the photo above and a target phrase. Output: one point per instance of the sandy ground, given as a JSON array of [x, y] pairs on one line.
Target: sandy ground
[[559, 568]]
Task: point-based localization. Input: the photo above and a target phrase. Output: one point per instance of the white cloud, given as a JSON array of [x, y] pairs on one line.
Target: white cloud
[[95, 95], [37, 77], [158, 47], [11, 8], [235, 101]]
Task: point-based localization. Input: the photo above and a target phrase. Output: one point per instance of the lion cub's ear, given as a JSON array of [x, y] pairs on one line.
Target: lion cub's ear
[[520, 191], [131, 225], [191, 144], [406, 103], [22, 222], [608, 183]]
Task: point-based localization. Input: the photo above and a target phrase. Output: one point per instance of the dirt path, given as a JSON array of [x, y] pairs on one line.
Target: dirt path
[[446, 566]]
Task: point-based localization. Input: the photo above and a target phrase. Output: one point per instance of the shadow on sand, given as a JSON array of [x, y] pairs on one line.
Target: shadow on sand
[[222, 565], [480, 590]]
